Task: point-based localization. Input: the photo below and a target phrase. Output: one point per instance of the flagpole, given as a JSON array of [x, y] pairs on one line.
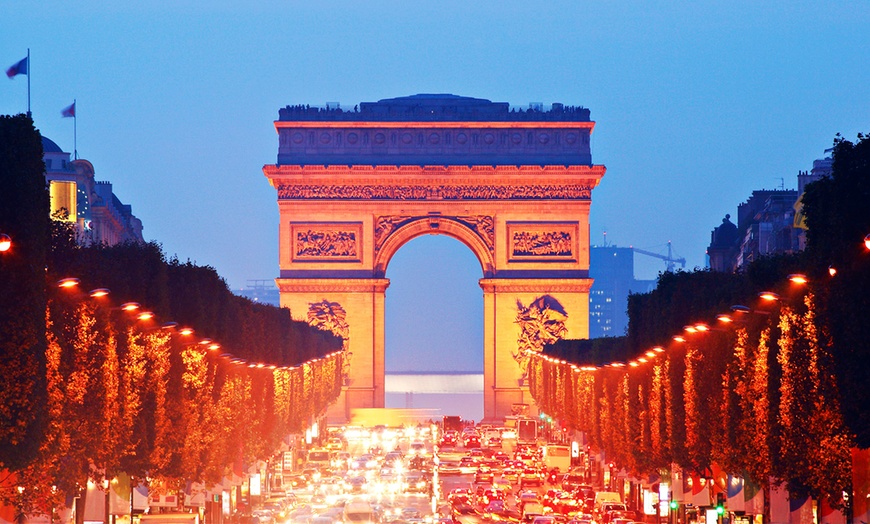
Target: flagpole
[[29, 69], [75, 132]]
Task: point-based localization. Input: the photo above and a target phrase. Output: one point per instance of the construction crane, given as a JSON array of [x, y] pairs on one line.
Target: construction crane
[[670, 261]]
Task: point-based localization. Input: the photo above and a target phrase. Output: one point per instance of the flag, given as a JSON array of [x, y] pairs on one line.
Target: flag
[[69, 111], [20, 68], [736, 498]]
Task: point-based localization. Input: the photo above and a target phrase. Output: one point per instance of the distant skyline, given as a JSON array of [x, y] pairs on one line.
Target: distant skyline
[[696, 105]]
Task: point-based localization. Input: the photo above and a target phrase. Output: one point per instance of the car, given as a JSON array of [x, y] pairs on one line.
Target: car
[[574, 481], [544, 520], [498, 511], [483, 474], [335, 444], [460, 496], [449, 468], [416, 482], [525, 497], [417, 448], [530, 477], [471, 441], [449, 439], [490, 494]]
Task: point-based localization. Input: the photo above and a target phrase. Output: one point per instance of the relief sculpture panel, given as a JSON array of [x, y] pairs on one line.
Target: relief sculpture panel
[[542, 241], [326, 242]]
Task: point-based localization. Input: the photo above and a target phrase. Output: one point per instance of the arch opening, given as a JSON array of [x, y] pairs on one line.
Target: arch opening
[[477, 236], [434, 356]]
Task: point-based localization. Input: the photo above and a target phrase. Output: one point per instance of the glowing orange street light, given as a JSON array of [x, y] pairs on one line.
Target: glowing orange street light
[[658, 349], [867, 241], [798, 278], [145, 315], [768, 296], [689, 329], [68, 282], [725, 318], [832, 270], [702, 328], [169, 325], [5, 242], [651, 354], [678, 338], [130, 306], [99, 292], [205, 342], [186, 331], [740, 309], [214, 346]]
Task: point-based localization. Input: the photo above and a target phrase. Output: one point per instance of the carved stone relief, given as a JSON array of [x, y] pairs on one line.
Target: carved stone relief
[[482, 225], [330, 316], [323, 242], [542, 244], [432, 192], [542, 322]]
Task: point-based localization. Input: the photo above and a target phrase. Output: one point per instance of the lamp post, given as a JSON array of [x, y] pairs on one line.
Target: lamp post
[[5, 242]]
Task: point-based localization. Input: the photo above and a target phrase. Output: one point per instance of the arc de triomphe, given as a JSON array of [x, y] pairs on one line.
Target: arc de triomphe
[[515, 186]]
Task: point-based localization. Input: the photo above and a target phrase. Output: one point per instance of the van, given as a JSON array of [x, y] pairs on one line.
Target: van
[[603, 497], [532, 510]]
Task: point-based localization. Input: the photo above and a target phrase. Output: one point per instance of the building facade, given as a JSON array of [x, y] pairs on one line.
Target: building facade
[[769, 222], [77, 197], [612, 269]]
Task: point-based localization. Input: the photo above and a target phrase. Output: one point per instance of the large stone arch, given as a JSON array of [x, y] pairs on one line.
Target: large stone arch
[[515, 187], [463, 229]]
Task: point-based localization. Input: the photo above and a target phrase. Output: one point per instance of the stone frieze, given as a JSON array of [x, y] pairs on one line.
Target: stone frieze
[[432, 192]]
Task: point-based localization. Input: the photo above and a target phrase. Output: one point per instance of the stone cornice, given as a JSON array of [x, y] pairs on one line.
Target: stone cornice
[[434, 182], [489, 171], [536, 285], [332, 285], [284, 124]]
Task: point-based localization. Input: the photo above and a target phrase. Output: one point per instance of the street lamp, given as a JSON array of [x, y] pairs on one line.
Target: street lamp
[[798, 278], [768, 296], [867, 242], [5, 242], [67, 283]]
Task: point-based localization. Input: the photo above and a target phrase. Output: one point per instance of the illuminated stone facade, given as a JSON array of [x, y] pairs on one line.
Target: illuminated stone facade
[[514, 186]]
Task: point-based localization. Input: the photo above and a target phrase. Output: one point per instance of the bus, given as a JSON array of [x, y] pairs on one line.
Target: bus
[[557, 456]]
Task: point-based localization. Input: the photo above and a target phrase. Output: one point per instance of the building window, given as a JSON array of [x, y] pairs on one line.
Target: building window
[[63, 197]]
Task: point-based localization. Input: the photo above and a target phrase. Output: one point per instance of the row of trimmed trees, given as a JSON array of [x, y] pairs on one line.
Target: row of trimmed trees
[[90, 393], [781, 393], [756, 397]]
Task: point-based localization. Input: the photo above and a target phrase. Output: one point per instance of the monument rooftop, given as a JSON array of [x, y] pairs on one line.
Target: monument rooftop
[[435, 108]]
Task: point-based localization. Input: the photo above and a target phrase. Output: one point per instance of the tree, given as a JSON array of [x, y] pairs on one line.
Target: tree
[[837, 218], [24, 216]]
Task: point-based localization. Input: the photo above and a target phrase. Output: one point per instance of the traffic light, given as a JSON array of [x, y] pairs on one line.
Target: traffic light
[[720, 503], [674, 505]]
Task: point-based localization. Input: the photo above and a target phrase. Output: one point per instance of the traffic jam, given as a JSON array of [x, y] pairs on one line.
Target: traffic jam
[[450, 472]]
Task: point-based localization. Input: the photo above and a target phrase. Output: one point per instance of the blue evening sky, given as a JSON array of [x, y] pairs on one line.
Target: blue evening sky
[[696, 103]]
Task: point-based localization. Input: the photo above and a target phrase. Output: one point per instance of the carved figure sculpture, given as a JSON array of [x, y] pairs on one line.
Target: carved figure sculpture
[[330, 316], [542, 322]]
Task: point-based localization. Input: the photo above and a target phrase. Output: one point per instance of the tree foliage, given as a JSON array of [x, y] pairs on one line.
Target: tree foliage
[[24, 216], [90, 393]]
